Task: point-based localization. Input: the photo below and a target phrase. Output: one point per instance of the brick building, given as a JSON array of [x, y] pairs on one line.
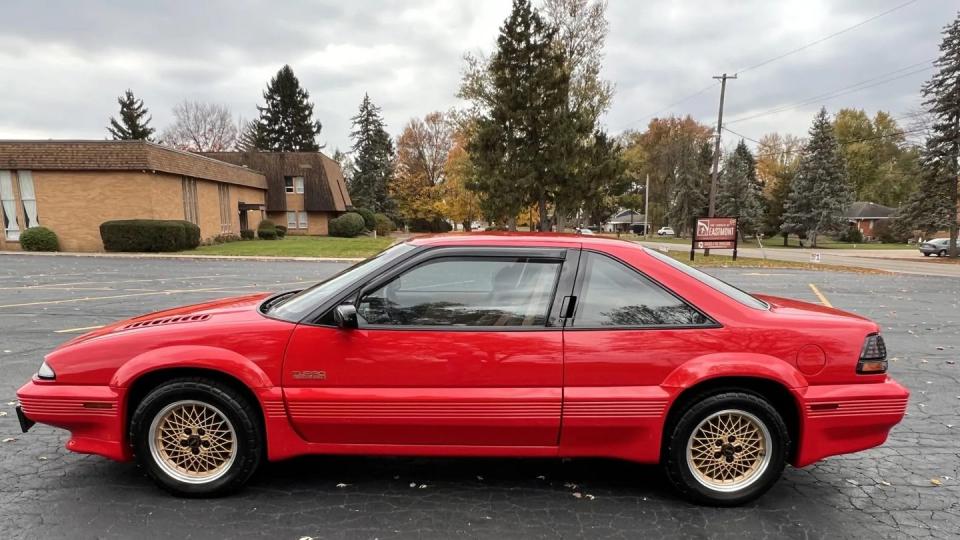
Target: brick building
[[304, 189], [866, 215], [71, 187]]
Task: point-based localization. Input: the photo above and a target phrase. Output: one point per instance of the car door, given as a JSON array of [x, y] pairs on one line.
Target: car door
[[627, 332], [454, 347]]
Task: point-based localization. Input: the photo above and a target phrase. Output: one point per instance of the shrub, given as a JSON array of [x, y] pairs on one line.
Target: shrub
[[384, 224], [151, 235], [347, 226], [435, 225], [369, 218], [246, 234], [852, 235], [266, 230], [281, 231], [39, 239], [225, 238], [892, 231]]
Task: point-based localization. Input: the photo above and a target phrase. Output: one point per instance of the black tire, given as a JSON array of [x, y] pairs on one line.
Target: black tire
[[700, 409], [243, 418], [926, 254], [942, 253]]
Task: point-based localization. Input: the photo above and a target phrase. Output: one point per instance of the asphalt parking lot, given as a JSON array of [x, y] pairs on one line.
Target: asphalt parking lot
[[907, 488]]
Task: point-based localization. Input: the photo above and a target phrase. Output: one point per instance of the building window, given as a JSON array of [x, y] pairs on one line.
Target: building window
[[296, 220], [8, 207], [28, 199], [293, 184], [226, 220], [190, 212]]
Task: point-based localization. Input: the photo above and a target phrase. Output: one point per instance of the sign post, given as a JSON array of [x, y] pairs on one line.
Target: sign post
[[714, 233]]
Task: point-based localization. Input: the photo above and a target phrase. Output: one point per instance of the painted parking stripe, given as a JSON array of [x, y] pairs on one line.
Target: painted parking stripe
[[823, 299], [112, 282]]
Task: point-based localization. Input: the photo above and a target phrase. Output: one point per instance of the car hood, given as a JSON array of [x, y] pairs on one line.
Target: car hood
[[194, 313]]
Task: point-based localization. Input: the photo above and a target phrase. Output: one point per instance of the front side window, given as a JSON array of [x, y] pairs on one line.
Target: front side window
[[8, 207], [614, 295], [465, 291]]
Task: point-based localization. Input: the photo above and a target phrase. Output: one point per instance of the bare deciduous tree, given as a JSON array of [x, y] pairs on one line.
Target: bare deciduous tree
[[201, 127]]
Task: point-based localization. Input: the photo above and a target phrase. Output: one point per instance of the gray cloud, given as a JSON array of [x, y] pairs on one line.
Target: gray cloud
[[64, 62]]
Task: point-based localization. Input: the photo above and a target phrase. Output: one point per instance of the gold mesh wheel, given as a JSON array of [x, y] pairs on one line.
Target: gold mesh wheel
[[193, 442], [729, 450]]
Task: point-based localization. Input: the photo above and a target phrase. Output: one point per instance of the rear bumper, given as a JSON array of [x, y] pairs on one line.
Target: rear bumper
[[839, 419], [92, 414]]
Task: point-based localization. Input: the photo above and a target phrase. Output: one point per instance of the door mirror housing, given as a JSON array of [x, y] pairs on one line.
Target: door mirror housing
[[346, 316]]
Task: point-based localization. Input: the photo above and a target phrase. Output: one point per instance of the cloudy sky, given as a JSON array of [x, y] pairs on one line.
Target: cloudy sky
[[64, 62]]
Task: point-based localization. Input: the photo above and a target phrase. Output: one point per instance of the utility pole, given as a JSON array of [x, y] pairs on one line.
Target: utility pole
[[716, 149], [646, 209]]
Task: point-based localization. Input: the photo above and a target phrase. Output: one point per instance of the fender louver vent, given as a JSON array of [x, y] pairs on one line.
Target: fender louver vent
[[167, 320]]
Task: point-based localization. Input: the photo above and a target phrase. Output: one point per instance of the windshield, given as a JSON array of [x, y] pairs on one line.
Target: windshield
[[301, 304], [714, 283]]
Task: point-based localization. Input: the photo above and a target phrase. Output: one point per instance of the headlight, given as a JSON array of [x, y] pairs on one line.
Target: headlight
[[45, 372]]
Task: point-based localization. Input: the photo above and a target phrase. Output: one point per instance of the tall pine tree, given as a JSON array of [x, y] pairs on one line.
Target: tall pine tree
[[688, 196], [372, 160], [523, 125], [739, 193], [286, 122], [134, 123], [935, 203], [820, 192]]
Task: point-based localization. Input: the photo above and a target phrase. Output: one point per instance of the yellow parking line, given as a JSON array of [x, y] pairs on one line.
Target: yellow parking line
[[49, 285], [81, 329], [823, 299]]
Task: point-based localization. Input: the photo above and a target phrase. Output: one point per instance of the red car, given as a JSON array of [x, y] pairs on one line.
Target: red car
[[481, 345]]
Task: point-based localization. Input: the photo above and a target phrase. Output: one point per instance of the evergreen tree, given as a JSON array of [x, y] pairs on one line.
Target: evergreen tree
[[935, 203], [776, 203], [134, 120], [820, 192], [523, 131], [688, 197], [373, 160], [739, 193], [286, 122]]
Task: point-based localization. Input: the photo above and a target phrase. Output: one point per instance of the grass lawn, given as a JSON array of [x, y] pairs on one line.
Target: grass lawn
[[777, 243], [726, 261], [300, 246]]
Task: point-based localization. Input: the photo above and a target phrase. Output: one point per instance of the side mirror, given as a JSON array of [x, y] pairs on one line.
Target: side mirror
[[346, 316]]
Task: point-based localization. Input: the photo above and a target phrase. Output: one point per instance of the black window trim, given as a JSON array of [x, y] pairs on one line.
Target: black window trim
[[425, 255], [578, 290]]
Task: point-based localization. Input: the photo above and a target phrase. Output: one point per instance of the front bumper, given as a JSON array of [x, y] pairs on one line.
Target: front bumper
[[839, 419], [92, 414]]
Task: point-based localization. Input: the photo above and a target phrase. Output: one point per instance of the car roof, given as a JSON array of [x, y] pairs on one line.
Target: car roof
[[503, 238]]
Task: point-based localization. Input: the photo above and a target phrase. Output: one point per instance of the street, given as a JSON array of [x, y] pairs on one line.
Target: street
[[908, 487]]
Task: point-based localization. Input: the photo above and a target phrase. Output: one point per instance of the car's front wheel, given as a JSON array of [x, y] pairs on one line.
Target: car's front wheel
[[727, 449], [942, 253], [196, 437]]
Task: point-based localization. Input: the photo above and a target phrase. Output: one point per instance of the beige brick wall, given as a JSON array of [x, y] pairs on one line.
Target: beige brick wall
[[74, 203], [316, 223]]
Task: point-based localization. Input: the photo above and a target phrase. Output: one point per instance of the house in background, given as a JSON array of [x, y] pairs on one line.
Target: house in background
[[71, 187], [866, 215], [304, 189], [625, 221]]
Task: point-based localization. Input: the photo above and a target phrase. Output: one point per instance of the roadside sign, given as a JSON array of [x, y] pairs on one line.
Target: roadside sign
[[715, 233], [815, 257]]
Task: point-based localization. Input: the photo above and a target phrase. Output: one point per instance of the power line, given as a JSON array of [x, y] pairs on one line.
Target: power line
[[827, 37], [672, 105], [857, 87]]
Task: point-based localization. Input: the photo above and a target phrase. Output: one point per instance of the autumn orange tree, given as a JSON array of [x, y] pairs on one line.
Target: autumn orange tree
[[459, 203], [423, 149]]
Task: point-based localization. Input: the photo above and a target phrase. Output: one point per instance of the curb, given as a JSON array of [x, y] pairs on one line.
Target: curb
[[182, 256]]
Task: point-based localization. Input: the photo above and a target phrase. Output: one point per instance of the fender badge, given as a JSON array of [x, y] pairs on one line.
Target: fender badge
[[316, 375]]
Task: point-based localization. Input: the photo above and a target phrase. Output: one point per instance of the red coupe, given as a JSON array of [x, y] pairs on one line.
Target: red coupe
[[481, 345]]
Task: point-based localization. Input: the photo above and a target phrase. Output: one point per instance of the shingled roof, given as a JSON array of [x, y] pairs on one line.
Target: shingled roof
[[122, 156], [868, 210]]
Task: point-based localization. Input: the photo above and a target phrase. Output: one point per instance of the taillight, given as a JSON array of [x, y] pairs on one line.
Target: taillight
[[873, 356]]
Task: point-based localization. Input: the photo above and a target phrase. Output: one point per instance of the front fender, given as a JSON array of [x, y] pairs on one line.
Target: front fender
[[712, 366], [192, 356]]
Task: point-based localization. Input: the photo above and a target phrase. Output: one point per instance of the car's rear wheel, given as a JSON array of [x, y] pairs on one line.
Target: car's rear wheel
[[925, 254], [942, 253], [196, 437], [727, 449]]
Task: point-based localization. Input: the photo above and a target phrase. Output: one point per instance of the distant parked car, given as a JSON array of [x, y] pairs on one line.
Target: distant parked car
[[939, 246], [584, 230], [666, 231]]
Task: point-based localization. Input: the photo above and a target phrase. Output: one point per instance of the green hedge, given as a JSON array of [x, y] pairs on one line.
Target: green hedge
[[247, 234], [267, 230], [347, 226], [150, 235], [384, 224], [39, 239], [435, 225], [281, 231], [369, 218]]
